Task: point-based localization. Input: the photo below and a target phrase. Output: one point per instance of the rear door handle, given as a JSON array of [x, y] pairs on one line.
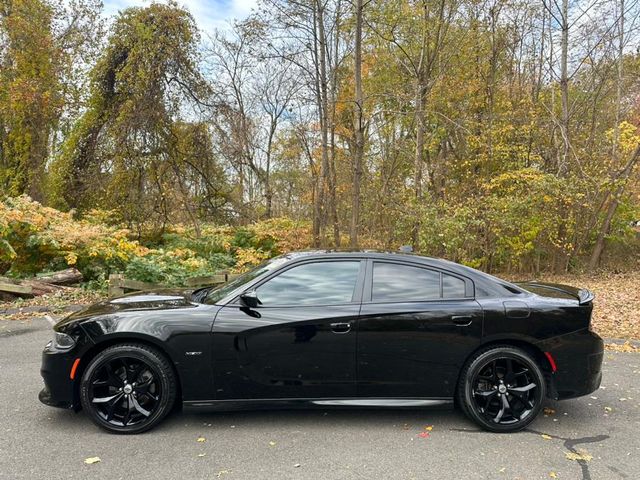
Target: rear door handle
[[340, 327], [462, 320]]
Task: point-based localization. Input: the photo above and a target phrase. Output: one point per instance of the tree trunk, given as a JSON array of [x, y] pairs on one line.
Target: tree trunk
[[325, 186], [564, 88], [611, 210], [419, 154], [358, 125], [69, 276]]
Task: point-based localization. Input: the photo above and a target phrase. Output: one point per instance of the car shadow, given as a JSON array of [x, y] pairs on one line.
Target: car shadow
[[335, 419]]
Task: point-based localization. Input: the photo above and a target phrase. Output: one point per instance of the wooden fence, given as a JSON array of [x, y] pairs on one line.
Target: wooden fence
[[119, 285]]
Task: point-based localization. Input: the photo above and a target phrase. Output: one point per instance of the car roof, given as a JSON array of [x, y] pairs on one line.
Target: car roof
[[372, 253]]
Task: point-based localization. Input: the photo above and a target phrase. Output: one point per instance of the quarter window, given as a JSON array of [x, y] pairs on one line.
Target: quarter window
[[321, 283], [452, 287]]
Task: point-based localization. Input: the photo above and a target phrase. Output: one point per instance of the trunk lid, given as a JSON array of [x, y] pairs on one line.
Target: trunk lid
[[558, 290]]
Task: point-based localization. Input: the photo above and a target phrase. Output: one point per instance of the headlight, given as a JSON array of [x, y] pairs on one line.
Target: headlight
[[62, 341]]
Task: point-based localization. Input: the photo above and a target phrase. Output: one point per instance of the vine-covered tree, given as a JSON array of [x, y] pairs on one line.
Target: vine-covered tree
[[121, 150]]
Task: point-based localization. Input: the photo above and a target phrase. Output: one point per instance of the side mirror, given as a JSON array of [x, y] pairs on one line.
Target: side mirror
[[250, 299]]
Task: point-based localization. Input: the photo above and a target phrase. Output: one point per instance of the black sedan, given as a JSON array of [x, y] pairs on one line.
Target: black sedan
[[324, 328]]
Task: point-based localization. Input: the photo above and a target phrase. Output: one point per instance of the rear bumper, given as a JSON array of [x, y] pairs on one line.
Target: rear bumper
[[578, 357], [58, 388]]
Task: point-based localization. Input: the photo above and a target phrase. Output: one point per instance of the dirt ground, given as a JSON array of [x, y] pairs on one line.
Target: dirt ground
[[617, 305]]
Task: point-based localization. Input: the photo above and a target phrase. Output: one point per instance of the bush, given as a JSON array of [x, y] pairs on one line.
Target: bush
[[34, 239]]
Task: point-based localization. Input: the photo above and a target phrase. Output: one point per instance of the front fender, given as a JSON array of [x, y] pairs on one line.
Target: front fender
[[183, 335]]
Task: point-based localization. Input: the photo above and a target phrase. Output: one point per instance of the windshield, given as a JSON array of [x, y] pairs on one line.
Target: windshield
[[218, 293]]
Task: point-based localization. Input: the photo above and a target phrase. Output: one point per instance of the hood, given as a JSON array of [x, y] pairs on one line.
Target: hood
[[164, 299], [558, 290]]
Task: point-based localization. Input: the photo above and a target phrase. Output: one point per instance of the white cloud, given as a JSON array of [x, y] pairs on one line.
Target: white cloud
[[209, 14]]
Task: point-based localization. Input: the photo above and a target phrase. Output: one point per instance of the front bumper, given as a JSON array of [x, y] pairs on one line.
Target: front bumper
[[578, 357], [58, 388]]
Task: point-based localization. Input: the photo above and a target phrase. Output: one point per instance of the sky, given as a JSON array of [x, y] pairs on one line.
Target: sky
[[209, 14]]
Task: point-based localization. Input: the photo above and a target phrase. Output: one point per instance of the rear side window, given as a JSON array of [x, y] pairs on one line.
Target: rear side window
[[322, 283], [397, 283]]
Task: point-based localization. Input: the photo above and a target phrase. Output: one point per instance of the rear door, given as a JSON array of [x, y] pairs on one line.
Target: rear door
[[300, 342], [416, 328]]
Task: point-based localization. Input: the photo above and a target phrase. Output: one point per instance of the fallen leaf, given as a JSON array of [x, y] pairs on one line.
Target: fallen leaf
[[202, 454], [92, 460], [222, 472], [502, 470], [297, 465], [553, 474], [546, 437], [201, 440], [608, 409], [272, 444], [548, 411], [428, 428], [578, 455]]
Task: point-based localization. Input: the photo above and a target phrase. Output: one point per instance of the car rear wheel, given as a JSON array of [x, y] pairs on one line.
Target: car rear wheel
[[128, 388], [502, 389]]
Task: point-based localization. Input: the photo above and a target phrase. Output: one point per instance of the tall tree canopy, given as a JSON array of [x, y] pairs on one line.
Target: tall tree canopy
[[30, 98], [121, 147], [500, 133]]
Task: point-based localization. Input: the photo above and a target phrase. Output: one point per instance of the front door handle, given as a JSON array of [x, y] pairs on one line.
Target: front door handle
[[340, 327], [462, 320]]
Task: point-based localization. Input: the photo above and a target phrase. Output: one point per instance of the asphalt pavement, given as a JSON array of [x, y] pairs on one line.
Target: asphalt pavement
[[594, 437]]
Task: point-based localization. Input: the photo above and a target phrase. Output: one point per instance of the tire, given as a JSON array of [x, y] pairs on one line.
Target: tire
[[128, 388], [503, 379]]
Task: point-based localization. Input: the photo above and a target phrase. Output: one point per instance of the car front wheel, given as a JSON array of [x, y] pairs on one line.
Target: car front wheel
[[502, 389], [128, 388]]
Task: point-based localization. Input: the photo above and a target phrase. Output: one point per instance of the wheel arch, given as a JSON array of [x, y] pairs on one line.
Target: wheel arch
[[116, 339], [529, 347]]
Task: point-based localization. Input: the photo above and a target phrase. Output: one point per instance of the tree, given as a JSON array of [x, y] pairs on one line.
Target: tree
[[30, 96], [358, 126], [145, 79]]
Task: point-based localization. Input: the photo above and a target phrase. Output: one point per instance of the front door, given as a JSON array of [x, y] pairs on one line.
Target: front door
[[299, 343], [417, 326]]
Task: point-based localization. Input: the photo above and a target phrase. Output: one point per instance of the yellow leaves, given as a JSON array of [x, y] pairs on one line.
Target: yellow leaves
[[628, 138], [578, 455], [428, 428], [71, 258], [272, 444], [548, 411], [201, 440], [626, 347], [92, 460], [553, 475], [247, 258], [546, 437]]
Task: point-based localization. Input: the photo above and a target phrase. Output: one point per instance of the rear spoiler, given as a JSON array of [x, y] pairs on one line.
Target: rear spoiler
[[583, 295]]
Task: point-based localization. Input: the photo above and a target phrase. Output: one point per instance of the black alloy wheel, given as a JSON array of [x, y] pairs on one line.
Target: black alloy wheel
[[502, 389], [128, 388]]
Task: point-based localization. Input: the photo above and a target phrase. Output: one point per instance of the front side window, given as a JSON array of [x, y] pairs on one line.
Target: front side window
[[321, 283], [404, 283]]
